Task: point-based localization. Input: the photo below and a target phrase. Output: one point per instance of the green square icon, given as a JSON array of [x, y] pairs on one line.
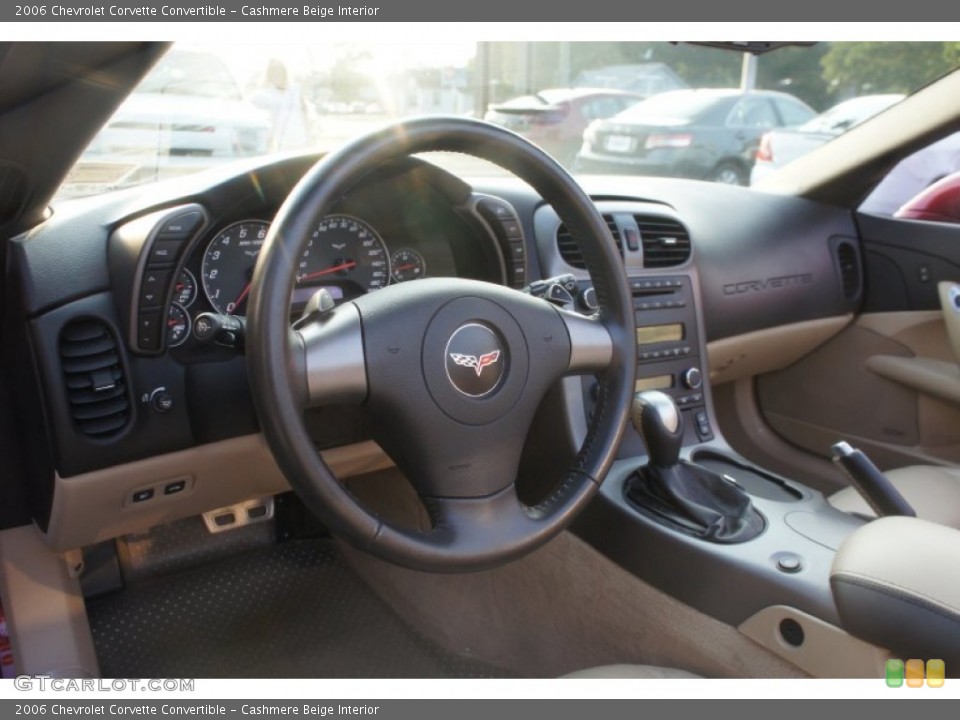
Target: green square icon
[[894, 673]]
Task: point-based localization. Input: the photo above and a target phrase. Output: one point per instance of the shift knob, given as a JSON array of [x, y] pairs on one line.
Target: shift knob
[[657, 419]]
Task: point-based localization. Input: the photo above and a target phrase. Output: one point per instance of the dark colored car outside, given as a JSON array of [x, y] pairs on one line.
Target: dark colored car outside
[[704, 134], [555, 119]]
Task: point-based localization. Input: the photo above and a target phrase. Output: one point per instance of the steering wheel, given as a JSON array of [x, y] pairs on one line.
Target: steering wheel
[[451, 371]]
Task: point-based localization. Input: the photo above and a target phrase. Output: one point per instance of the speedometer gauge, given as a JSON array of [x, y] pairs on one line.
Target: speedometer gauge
[[346, 253], [228, 265]]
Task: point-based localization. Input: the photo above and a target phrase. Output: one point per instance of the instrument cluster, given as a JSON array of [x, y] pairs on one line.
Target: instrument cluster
[[347, 255]]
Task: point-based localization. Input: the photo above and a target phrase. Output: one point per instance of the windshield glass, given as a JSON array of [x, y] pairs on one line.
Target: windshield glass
[[205, 105]]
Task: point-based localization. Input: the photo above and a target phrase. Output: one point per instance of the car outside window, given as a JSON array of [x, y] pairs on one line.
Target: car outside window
[[753, 112], [680, 104], [601, 108], [792, 112]]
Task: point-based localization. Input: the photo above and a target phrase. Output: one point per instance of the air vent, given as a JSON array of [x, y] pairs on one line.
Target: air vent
[[96, 391], [666, 242], [569, 249], [849, 264]]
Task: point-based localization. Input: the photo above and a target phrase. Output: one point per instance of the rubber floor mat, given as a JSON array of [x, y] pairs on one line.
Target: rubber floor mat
[[290, 610]]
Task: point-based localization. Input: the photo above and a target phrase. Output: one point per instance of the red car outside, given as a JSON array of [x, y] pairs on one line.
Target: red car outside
[[555, 119]]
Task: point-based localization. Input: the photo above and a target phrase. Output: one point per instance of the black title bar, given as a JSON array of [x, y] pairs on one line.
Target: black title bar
[[731, 11]]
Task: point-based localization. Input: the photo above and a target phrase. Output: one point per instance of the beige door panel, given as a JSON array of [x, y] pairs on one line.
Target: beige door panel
[[923, 332], [863, 385]]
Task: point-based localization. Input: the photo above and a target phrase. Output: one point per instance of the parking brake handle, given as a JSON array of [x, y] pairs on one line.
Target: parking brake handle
[[873, 485]]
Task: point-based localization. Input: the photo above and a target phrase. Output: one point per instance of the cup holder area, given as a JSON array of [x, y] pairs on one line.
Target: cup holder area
[[756, 482]]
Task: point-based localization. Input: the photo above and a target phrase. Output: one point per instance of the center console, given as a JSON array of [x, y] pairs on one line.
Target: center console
[[772, 583]]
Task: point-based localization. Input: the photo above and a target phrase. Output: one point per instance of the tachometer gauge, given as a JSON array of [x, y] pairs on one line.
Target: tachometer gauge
[[178, 325], [228, 264], [407, 264], [346, 253], [185, 291]]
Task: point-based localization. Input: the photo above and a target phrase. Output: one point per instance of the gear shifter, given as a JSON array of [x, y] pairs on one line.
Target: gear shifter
[[685, 496], [658, 421]]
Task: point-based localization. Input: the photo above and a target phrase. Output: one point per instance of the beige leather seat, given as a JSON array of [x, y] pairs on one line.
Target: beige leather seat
[[632, 672], [933, 491]]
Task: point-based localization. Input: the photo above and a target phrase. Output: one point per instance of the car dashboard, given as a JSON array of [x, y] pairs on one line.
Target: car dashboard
[[134, 415]]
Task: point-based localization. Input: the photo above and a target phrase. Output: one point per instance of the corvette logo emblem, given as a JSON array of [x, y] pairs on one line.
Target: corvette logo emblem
[[477, 363]]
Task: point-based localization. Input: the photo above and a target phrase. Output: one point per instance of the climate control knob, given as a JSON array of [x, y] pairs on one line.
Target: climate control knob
[[692, 378]]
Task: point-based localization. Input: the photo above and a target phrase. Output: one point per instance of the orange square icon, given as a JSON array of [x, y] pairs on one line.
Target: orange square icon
[[936, 672], [915, 673]]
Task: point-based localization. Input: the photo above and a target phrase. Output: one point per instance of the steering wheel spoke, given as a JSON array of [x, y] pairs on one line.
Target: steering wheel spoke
[[332, 364], [591, 346]]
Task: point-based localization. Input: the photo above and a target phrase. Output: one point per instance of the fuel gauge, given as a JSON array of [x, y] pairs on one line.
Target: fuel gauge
[[407, 264]]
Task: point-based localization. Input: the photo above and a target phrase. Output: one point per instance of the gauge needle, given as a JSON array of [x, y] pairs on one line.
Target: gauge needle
[[409, 266], [246, 289], [335, 268]]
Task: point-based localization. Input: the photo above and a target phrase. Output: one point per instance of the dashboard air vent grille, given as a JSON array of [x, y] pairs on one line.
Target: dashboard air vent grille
[[666, 242], [569, 249], [849, 265], [93, 374]]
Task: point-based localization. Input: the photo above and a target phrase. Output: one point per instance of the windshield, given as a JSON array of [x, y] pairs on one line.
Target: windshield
[[204, 105]]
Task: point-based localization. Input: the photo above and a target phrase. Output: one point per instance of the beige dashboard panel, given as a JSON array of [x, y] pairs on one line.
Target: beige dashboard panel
[[101, 505], [767, 350]]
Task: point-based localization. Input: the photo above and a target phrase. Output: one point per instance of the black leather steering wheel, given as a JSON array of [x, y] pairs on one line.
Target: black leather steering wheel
[[451, 371]]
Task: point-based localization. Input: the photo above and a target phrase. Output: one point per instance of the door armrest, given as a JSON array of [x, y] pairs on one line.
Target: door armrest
[[933, 377]]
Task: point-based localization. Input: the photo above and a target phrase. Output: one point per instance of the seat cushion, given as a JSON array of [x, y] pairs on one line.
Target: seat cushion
[[933, 491], [633, 672]]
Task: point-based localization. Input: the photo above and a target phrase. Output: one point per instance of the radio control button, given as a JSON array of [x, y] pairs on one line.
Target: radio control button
[[692, 378]]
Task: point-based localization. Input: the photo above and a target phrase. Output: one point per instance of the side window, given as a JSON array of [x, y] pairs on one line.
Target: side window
[[912, 175], [792, 113], [754, 113]]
